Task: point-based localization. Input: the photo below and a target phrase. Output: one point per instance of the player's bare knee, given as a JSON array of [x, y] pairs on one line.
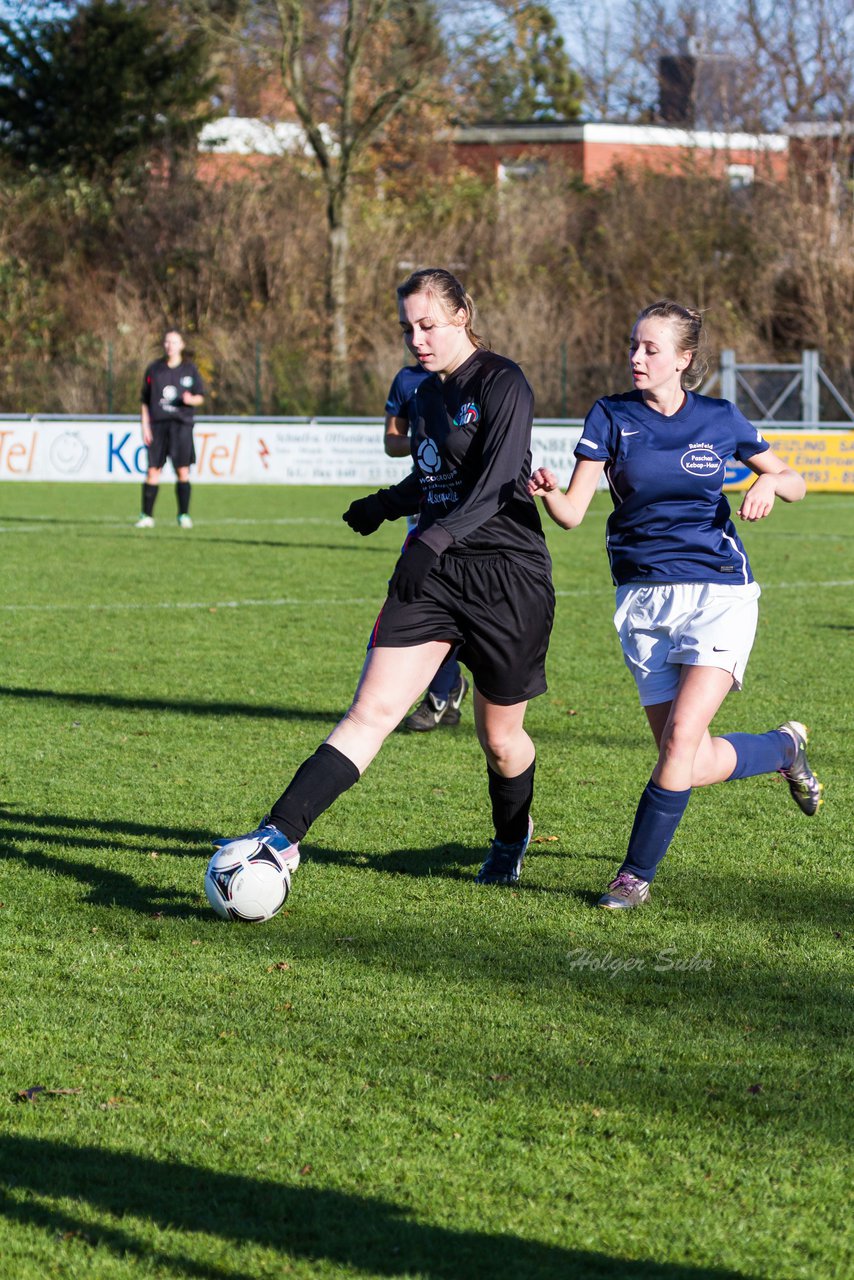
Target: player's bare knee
[[499, 748], [677, 744], [373, 716]]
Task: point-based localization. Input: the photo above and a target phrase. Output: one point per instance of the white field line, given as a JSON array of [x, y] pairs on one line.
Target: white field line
[[297, 602], [48, 524]]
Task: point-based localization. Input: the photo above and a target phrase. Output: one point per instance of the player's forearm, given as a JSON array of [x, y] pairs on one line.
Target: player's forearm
[[396, 446], [789, 485], [562, 509]]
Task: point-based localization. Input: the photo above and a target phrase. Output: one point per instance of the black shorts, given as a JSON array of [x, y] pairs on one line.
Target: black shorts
[[497, 609], [171, 440]]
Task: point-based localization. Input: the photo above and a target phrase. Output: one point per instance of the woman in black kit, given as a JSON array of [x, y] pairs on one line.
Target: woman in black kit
[[475, 574]]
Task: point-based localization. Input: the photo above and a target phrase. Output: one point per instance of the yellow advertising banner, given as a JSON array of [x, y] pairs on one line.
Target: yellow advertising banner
[[825, 459]]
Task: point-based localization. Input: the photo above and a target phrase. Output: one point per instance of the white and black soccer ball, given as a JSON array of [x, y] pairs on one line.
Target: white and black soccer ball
[[247, 880]]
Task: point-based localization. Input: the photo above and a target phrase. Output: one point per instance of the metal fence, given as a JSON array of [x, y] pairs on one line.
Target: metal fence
[[269, 385]]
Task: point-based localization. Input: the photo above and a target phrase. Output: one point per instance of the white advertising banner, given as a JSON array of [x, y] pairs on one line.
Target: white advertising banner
[[233, 451]]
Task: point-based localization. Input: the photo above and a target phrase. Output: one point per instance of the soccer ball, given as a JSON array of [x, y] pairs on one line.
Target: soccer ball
[[247, 880]]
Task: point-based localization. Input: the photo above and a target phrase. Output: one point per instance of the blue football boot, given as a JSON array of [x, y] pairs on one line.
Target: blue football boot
[[503, 863], [270, 835]]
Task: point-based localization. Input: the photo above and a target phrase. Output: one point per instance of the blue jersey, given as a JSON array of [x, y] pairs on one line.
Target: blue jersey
[[403, 388], [671, 522]]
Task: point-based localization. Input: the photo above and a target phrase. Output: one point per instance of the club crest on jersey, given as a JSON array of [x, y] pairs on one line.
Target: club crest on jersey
[[467, 415], [701, 460], [428, 457]]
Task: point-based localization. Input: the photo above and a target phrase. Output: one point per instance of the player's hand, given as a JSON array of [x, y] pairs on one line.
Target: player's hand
[[407, 581], [759, 499], [365, 515], [542, 481]]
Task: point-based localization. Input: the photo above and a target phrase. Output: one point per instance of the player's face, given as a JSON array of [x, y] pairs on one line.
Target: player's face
[[437, 339], [173, 345], [656, 364]]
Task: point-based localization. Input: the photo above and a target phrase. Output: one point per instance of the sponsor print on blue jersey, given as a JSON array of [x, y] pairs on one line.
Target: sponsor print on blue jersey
[[671, 522], [701, 460]]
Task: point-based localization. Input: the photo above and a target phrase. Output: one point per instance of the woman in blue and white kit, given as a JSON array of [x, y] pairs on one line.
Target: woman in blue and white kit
[[686, 598]]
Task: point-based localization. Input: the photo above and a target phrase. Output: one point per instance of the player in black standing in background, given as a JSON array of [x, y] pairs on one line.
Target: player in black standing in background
[[476, 574], [171, 389]]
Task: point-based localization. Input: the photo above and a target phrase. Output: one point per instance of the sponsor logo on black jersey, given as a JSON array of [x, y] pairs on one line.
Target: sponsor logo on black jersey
[[467, 415], [428, 457]]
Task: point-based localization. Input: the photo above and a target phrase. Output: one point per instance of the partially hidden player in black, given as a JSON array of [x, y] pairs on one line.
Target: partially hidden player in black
[[172, 389], [448, 688], [475, 574]]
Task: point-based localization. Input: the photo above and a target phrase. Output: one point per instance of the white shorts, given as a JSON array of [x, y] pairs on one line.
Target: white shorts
[[701, 624]]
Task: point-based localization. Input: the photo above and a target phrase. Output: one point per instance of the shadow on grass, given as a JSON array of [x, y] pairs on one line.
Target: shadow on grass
[[177, 705], [35, 824], [112, 888], [776, 898], [440, 862], [305, 1222], [107, 886]]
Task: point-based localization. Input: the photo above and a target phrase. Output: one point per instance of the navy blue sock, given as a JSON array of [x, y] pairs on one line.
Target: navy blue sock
[[511, 803], [317, 784], [659, 814], [760, 752], [182, 492], [445, 678]]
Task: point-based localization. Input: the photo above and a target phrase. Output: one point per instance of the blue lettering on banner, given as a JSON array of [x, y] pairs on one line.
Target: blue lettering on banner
[[115, 455], [115, 451]]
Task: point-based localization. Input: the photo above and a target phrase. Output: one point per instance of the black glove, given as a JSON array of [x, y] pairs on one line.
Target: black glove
[[365, 515], [407, 581]]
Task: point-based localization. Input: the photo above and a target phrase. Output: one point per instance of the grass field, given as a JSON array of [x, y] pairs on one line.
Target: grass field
[[403, 1075]]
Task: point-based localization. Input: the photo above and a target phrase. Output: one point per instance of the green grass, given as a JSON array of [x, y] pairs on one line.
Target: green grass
[[402, 1075]]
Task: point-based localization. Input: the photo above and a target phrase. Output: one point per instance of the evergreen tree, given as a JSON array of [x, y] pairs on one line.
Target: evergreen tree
[[96, 90], [518, 70]]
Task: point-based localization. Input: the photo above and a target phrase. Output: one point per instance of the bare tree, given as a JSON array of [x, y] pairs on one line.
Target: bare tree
[[350, 65], [347, 68], [794, 58], [804, 53]]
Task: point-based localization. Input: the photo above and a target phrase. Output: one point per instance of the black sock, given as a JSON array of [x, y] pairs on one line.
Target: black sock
[[317, 784], [149, 497], [182, 489], [511, 803]]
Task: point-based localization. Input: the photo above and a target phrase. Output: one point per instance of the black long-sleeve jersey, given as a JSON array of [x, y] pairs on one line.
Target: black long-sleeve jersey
[[471, 445]]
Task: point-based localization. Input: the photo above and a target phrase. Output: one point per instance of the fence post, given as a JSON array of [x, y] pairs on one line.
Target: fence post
[[257, 379], [109, 377], [563, 380], [729, 389], [810, 407]]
